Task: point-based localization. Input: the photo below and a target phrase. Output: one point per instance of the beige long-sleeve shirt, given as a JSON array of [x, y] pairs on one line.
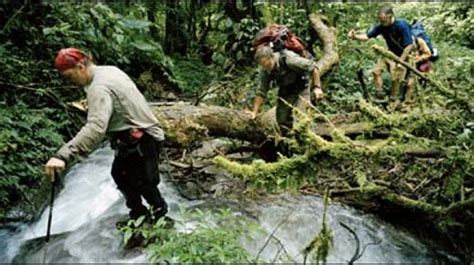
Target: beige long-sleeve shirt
[[115, 104]]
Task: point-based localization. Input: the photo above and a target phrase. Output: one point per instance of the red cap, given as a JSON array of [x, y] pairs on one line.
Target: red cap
[[69, 57]]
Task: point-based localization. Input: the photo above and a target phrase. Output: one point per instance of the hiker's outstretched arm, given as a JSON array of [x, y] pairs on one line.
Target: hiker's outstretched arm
[[361, 37], [318, 91], [100, 110], [256, 105], [316, 78], [261, 91]]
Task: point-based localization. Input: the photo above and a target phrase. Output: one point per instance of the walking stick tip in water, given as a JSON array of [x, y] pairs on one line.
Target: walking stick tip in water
[[50, 216]]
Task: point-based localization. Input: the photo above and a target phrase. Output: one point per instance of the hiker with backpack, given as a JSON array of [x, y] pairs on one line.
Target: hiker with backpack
[[398, 36], [284, 60], [423, 64]]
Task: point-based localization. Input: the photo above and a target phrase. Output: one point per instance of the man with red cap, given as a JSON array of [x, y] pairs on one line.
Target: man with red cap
[[116, 108]]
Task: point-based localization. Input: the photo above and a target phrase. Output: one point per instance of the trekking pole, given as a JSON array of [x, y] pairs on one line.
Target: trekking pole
[[50, 216]]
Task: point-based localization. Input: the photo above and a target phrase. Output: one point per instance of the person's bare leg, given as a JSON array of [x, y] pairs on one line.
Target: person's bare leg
[[378, 83], [410, 90], [378, 80], [397, 77]]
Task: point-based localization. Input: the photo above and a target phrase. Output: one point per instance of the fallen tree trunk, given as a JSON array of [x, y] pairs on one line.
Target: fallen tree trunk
[[185, 123], [446, 225]]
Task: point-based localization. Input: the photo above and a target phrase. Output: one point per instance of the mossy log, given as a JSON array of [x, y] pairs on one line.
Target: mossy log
[[185, 123], [450, 226]]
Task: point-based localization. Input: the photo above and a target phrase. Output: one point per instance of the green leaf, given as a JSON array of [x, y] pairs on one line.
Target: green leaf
[[127, 236], [239, 55], [144, 45], [47, 31], [135, 23], [139, 221]]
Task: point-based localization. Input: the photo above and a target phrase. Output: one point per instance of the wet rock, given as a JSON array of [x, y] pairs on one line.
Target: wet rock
[[210, 148], [191, 191]]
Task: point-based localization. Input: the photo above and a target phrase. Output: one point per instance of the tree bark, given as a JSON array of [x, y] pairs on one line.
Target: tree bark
[[185, 123], [328, 37]]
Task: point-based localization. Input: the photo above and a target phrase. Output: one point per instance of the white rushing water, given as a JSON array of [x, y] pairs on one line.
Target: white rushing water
[[86, 210], [294, 222], [88, 206]]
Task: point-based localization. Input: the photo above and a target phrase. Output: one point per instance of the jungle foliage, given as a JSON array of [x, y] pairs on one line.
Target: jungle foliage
[[202, 49]]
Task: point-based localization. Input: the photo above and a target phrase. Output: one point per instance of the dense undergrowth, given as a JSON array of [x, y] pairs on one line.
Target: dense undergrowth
[[36, 117]]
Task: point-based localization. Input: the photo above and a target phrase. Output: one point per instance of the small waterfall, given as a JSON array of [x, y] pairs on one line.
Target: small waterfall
[[89, 205], [295, 220], [84, 216]]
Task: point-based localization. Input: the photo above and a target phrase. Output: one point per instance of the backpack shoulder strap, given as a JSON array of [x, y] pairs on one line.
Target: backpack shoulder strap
[[282, 60]]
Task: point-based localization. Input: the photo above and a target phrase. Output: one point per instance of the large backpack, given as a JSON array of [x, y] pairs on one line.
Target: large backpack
[[280, 37], [418, 31]]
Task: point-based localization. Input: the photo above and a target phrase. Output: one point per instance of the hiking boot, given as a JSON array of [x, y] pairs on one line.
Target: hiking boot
[[284, 149], [407, 105], [379, 98], [154, 215], [160, 212]]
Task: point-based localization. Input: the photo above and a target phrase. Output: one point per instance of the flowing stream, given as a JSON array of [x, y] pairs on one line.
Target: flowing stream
[[89, 205]]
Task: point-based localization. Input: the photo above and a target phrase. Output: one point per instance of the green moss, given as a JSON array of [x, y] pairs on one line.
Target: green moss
[[417, 206], [454, 184], [191, 74], [323, 241], [361, 178], [280, 174], [374, 112]]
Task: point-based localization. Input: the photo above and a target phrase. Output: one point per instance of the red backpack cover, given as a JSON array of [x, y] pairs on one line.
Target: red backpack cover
[[281, 38]]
